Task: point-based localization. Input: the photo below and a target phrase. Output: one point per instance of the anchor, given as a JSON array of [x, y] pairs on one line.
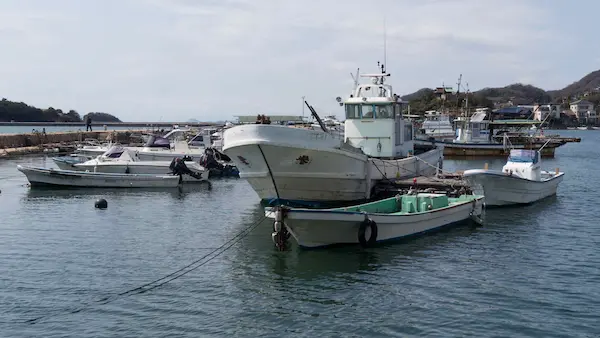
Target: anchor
[[280, 235]]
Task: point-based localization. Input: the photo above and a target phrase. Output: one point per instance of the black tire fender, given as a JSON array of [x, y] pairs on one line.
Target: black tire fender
[[367, 242]]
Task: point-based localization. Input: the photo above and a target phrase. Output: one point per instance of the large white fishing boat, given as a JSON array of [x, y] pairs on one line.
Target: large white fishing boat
[[298, 164]]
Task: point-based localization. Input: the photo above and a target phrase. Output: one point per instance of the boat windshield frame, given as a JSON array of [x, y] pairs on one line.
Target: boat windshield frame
[[524, 156], [156, 141], [114, 152]]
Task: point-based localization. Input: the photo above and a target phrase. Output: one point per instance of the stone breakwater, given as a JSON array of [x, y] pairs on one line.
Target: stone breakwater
[[31, 143]]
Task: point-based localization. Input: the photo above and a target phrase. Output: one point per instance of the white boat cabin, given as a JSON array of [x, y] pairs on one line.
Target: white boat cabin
[[524, 163], [437, 124], [476, 129], [374, 120]]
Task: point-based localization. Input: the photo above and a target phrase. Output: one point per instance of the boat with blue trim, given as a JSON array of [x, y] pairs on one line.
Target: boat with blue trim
[[521, 181]]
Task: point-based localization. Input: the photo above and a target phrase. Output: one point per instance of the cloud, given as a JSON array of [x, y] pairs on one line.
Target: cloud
[[211, 59]]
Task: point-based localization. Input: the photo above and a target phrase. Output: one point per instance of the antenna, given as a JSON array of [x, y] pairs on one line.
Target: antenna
[[384, 46], [355, 77]]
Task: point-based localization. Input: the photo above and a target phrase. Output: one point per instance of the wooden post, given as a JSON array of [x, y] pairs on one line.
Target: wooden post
[[486, 166], [556, 171]]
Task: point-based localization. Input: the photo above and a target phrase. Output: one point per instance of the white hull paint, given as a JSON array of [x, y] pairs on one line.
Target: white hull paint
[[150, 154], [67, 178], [167, 155], [136, 168], [311, 165], [500, 188], [320, 228]]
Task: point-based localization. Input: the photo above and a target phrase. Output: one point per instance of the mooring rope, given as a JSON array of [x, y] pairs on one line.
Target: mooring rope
[[160, 281]]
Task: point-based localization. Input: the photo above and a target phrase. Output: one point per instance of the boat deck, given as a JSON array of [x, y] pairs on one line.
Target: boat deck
[[450, 184]]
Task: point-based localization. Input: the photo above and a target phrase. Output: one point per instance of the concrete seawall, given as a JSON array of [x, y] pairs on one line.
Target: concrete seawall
[[18, 144]]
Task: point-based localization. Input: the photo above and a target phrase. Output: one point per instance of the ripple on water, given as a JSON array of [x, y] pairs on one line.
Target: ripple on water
[[531, 271]]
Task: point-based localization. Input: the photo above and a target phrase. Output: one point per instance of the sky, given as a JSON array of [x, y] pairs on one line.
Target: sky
[[175, 60]]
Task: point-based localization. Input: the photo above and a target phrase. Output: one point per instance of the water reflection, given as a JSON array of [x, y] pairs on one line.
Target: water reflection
[[36, 193]]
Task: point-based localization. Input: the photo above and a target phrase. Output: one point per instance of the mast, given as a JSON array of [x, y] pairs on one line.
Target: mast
[[384, 42]]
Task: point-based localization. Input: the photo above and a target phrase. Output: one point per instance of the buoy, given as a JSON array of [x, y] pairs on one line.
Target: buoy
[[101, 204]]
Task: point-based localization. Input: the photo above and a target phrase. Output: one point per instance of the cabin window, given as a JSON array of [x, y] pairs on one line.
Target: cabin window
[[398, 132], [408, 132], [368, 111], [384, 112], [475, 129], [353, 111]]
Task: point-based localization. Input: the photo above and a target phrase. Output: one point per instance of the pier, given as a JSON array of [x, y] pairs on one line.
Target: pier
[[112, 124], [58, 142]]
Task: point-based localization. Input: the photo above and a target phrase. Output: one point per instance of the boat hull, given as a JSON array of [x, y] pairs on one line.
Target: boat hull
[[501, 189], [322, 228], [67, 178], [167, 155], [274, 172], [148, 154], [159, 168], [465, 149], [313, 166]]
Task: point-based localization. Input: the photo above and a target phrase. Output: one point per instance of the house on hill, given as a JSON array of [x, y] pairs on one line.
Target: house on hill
[[542, 112], [584, 111]]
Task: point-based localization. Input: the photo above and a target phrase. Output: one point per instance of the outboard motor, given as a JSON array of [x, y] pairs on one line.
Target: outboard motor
[[209, 161], [178, 167]]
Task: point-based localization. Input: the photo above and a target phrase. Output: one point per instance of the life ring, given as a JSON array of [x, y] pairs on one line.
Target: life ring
[[364, 242]]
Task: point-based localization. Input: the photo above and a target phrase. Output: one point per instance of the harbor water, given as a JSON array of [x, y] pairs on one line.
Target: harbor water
[[531, 271]]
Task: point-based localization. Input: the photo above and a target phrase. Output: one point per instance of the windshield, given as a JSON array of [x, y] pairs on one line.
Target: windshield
[[524, 156], [114, 152]]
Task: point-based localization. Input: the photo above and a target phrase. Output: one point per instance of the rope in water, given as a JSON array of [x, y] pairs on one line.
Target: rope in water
[[160, 281]]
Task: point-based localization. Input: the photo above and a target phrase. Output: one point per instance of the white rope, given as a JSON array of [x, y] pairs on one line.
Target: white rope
[[434, 166]]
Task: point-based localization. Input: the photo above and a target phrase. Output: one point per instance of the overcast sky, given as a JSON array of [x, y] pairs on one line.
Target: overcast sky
[[173, 60]]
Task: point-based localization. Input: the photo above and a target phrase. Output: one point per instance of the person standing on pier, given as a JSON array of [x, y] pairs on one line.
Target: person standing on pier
[[88, 122]]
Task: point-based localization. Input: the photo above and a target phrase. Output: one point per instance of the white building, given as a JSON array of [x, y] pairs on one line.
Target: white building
[[541, 111], [584, 110]]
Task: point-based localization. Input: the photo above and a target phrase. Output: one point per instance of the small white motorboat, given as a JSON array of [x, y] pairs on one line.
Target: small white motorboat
[[388, 219], [521, 180], [70, 178], [120, 160]]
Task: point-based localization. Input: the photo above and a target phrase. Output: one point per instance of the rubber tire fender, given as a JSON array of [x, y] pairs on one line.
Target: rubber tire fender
[[365, 243]]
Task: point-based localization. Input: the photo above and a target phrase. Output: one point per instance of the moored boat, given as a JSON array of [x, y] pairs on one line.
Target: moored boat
[[70, 178], [366, 224], [121, 160], [521, 180], [299, 164], [478, 136]]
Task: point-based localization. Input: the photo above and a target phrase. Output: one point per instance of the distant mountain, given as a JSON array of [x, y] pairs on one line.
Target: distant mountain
[[22, 112], [588, 87], [102, 117], [515, 94]]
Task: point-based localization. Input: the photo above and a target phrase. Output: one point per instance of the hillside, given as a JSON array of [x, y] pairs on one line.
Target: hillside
[[21, 112], [587, 87]]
